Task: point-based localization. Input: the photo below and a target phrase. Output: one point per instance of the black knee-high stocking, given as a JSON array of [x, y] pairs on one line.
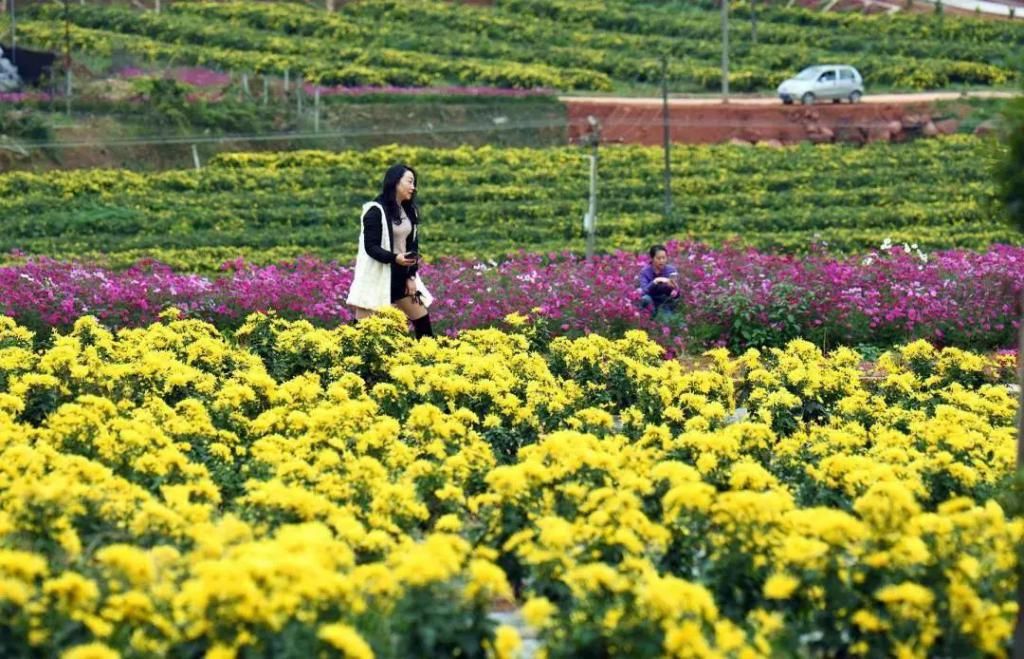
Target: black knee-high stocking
[[422, 327]]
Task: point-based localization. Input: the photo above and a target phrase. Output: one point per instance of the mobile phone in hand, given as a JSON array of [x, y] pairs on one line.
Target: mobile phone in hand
[[412, 256]]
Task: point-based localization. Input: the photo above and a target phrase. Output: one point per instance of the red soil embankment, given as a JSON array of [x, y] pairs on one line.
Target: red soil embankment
[[711, 122]]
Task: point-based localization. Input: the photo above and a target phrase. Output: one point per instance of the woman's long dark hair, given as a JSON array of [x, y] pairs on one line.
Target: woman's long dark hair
[[387, 194]]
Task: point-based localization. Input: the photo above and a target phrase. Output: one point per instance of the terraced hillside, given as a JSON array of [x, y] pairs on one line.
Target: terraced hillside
[[486, 202], [593, 45]]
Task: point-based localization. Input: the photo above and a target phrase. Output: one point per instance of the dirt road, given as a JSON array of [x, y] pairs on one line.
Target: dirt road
[[741, 99]]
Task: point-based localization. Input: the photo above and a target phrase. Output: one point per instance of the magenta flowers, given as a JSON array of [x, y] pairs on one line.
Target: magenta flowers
[[735, 297], [190, 75]]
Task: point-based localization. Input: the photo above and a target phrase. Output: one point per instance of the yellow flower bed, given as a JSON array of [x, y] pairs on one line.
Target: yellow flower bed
[[291, 491]]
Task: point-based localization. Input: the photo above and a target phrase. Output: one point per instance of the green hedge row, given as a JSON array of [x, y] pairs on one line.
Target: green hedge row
[[562, 44], [485, 202]]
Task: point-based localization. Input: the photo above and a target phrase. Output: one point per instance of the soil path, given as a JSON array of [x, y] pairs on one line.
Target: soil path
[[740, 99]]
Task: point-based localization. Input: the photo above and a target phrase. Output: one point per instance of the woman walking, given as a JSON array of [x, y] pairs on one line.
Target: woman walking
[[387, 264]]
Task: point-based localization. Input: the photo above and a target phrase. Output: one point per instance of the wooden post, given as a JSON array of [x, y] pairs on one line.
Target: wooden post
[[725, 51], [592, 206], [590, 225], [1018, 634], [1020, 392], [316, 109]]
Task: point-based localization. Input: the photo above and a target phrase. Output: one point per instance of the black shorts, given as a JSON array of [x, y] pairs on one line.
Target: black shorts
[[399, 275]]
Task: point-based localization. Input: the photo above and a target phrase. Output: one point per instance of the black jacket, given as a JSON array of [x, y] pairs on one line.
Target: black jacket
[[371, 240]]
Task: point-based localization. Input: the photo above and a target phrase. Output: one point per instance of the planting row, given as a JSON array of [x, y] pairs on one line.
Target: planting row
[[488, 202], [296, 492], [368, 42], [731, 297]]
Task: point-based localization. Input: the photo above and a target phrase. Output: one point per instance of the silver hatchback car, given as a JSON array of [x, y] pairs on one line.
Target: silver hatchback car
[[830, 81]]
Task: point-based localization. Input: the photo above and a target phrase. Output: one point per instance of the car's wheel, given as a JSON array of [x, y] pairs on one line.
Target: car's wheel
[[836, 100], [807, 98], [787, 101], [855, 97]]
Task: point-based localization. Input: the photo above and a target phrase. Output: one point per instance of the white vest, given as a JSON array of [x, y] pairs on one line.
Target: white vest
[[371, 282]]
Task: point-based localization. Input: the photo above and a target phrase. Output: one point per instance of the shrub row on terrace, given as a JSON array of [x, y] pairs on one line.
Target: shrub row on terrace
[[486, 202], [609, 43]]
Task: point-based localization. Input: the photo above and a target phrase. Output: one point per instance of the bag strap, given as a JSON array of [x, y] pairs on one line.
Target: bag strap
[[383, 219], [373, 204]]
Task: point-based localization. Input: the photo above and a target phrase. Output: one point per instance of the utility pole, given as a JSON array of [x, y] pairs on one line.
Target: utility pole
[[725, 51], [667, 138], [67, 60], [14, 36], [753, 22]]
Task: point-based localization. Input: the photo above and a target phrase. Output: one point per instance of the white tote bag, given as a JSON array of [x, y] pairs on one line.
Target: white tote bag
[[371, 281]]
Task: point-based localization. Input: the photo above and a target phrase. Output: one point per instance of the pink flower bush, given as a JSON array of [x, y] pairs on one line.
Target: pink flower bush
[[22, 97], [731, 296], [190, 75], [895, 294]]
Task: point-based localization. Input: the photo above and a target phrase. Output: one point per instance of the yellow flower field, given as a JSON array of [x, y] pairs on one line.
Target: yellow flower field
[[291, 491]]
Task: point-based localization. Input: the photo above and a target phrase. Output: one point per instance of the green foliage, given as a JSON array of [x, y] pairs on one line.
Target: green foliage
[[487, 202], [786, 318], [167, 100], [1010, 171], [1011, 494], [429, 621], [526, 43], [170, 103], [24, 124]]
